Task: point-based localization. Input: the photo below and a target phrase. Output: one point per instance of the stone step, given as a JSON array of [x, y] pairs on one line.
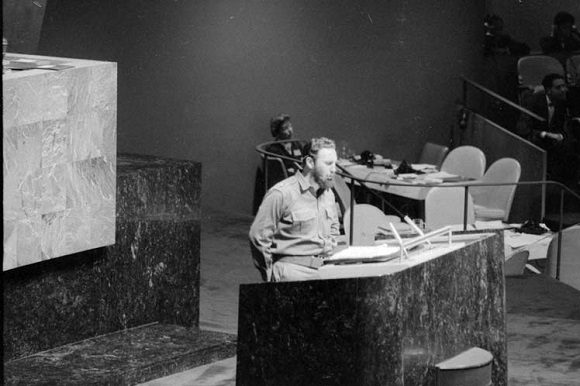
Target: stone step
[[125, 357]]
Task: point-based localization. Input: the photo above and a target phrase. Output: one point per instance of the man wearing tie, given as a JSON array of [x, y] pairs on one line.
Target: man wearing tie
[[552, 135]]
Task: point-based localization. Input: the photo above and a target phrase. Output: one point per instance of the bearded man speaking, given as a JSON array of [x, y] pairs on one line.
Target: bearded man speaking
[[297, 223]]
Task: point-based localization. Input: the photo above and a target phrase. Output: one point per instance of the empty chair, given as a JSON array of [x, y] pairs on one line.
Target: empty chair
[[465, 161], [569, 257], [471, 367], [533, 68], [366, 222], [444, 206], [573, 70], [516, 263], [433, 154], [495, 202], [342, 192]]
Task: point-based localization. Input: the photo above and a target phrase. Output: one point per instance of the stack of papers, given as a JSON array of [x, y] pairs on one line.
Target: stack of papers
[[517, 240], [361, 254], [497, 224], [442, 175], [427, 168]]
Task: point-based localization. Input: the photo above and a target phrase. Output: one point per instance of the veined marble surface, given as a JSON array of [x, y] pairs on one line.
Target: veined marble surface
[[376, 330], [59, 160]]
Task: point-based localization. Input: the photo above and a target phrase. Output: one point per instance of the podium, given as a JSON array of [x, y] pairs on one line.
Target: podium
[[389, 323]]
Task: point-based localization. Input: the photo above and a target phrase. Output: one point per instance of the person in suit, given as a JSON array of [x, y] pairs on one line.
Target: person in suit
[[564, 40], [554, 135]]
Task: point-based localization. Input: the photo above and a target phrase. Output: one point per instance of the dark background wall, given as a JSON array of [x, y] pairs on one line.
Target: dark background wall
[[529, 20], [200, 79]]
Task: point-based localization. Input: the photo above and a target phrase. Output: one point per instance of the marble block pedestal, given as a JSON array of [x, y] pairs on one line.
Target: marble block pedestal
[[378, 330], [59, 142]]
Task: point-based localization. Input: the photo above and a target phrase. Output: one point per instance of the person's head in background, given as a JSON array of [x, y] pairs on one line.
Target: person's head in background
[[281, 128], [555, 87], [563, 25], [320, 161]]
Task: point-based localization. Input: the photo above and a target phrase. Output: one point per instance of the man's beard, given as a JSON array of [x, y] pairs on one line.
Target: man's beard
[[324, 183]]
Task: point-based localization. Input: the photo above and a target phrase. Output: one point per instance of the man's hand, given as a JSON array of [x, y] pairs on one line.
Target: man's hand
[[554, 136]]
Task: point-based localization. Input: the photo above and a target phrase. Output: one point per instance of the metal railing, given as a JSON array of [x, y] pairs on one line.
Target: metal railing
[[495, 98], [267, 155], [467, 185]]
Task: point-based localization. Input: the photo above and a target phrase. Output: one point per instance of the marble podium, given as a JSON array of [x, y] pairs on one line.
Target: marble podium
[[389, 327], [59, 157]]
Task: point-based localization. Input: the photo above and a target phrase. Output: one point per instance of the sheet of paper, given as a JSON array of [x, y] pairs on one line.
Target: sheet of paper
[[442, 175], [498, 224], [364, 252], [518, 240], [423, 167]]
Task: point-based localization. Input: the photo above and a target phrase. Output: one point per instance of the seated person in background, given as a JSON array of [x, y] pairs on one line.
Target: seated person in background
[[501, 54], [564, 40], [554, 134], [498, 42], [296, 225], [282, 130]]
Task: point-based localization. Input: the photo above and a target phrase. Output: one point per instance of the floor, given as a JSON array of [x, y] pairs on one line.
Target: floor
[[543, 316]]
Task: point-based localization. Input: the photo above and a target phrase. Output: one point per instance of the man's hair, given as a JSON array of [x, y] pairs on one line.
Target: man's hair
[[549, 79], [563, 17], [313, 147], [277, 122]]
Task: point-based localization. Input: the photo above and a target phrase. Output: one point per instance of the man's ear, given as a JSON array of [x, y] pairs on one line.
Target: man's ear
[[309, 161]]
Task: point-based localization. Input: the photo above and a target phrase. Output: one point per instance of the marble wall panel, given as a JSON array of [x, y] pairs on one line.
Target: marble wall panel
[[59, 160]]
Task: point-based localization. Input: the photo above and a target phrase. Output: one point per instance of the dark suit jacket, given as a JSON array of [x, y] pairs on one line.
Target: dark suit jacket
[[531, 128], [551, 44]]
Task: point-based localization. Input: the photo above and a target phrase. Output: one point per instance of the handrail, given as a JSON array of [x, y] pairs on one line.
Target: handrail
[[497, 96], [519, 108], [259, 149], [266, 154], [467, 184]]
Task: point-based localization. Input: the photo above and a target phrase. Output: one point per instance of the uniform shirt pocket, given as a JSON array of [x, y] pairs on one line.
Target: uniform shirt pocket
[[304, 220]]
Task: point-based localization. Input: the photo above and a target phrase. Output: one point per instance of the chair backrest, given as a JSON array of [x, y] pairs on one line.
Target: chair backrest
[[366, 221], [465, 161], [515, 264], [444, 206], [433, 154], [569, 256], [573, 70], [533, 68], [342, 192], [275, 170], [498, 197]]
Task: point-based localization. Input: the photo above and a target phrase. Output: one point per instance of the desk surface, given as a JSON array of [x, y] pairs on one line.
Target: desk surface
[[381, 179]]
